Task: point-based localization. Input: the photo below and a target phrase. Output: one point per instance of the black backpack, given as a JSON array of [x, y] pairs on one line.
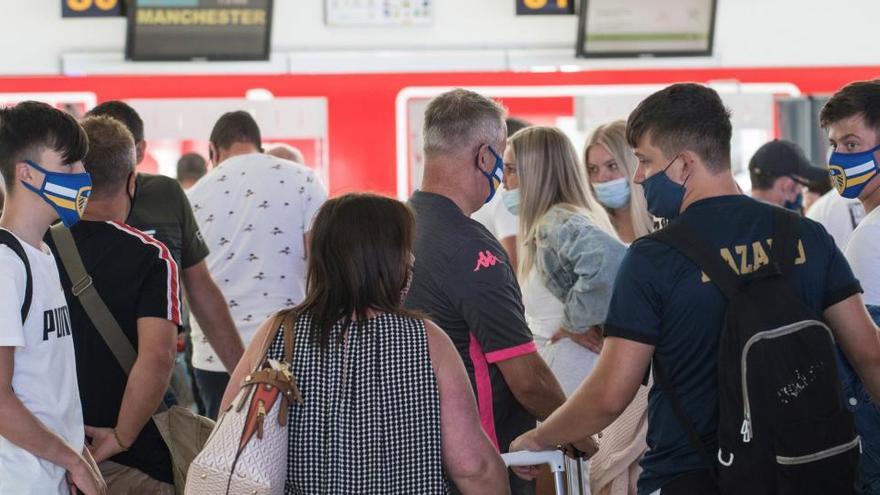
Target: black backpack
[[783, 427], [9, 240]]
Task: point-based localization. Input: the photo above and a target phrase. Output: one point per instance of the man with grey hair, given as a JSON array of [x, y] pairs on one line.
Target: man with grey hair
[[286, 152], [463, 278]]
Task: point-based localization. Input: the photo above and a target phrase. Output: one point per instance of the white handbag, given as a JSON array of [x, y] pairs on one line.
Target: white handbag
[[246, 453]]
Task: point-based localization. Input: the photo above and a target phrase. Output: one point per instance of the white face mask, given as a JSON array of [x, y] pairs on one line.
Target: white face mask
[[614, 193]]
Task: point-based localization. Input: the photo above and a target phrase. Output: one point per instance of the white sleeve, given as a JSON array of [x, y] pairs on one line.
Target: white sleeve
[[13, 280], [315, 197], [506, 223], [834, 215], [863, 254]]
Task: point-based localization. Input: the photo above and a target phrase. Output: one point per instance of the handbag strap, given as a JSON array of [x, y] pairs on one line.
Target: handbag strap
[[84, 290], [284, 321]]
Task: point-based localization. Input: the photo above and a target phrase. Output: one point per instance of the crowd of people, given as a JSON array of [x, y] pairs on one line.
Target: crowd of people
[[630, 304]]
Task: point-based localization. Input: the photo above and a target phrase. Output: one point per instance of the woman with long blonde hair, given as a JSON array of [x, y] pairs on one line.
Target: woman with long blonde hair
[[569, 251], [610, 165]]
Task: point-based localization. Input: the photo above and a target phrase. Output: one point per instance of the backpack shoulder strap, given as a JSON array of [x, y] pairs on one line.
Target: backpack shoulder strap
[[10, 240], [95, 307], [783, 252], [683, 420], [679, 237]]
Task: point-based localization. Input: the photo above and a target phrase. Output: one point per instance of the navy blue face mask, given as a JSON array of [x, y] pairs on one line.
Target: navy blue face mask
[[664, 197], [797, 204]]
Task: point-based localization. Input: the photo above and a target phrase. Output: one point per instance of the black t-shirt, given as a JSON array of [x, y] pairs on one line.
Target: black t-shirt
[[463, 281], [136, 277], [662, 299], [162, 210]]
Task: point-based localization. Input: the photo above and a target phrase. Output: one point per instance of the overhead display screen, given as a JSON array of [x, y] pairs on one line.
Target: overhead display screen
[[199, 29], [638, 28]]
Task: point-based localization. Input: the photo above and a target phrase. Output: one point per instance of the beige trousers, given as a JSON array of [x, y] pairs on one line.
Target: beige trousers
[[124, 480]]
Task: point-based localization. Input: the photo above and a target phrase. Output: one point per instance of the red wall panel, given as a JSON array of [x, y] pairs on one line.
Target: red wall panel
[[361, 106]]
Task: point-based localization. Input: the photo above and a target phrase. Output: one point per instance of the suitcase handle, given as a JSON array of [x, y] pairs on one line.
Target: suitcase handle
[[556, 459], [553, 458]]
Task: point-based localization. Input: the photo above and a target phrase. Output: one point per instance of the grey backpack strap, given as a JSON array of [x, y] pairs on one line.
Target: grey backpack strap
[[91, 301]]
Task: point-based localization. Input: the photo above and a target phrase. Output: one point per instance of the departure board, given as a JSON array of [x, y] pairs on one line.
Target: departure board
[[199, 30], [637, 28]]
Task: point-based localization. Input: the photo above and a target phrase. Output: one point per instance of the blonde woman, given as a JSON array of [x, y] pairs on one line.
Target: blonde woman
[[569, 252], [610, 168]]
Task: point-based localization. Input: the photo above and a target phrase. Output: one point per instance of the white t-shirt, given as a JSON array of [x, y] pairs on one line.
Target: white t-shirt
[[44, 378], [838, 215], [495, 217], [253, 211], [863, 254]]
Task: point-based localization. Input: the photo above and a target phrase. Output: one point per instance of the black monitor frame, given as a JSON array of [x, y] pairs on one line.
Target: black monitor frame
[[582, 33], [131, 11]]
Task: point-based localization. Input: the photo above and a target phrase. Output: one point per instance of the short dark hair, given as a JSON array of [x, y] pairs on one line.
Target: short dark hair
[[122, 112], [111, 157], [857, 98], [684, 116], [236, 127], [515, 125], [191, 166], [29, 128], [358, 260], [761, 181]]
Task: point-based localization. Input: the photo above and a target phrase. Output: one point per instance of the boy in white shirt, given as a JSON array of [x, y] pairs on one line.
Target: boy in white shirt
[[41, 428]]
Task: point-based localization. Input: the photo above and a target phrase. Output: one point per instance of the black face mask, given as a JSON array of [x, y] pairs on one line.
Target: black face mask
[[131, 197]]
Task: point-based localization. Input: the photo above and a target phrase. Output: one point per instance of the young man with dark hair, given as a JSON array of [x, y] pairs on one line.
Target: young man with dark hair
[[136, 277], [852, 118], [779, 171], [255, 211], [665, 310], [41, 422], [162, 210], [234, 129]]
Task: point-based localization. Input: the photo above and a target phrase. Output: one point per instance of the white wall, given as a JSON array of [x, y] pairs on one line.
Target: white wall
[[748, 33]]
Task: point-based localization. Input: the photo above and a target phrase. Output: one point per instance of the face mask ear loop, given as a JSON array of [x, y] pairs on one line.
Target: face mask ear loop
[[683, 184]]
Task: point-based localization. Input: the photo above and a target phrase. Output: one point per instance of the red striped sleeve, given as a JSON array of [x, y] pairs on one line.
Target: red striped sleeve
[[165, 255]]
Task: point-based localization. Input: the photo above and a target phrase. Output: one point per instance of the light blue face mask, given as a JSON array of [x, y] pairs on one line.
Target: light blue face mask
[[511, 200], [613, 193]]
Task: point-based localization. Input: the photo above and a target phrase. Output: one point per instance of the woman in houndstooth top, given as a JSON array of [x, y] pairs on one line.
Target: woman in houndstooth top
[[388, 408]]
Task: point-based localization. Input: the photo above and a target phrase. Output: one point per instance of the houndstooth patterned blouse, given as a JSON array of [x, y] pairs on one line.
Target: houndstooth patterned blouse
[[370, 422]]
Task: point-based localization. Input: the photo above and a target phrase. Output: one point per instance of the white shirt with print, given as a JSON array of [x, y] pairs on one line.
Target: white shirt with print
[[253, 211], [44, 377], [863, 254]]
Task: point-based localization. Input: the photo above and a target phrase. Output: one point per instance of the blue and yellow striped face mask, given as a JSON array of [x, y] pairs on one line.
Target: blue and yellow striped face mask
[[850, 172], [66, 193], [495, 177]]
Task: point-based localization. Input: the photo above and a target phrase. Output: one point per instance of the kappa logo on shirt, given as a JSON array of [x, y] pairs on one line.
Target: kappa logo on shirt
[[486, 260]]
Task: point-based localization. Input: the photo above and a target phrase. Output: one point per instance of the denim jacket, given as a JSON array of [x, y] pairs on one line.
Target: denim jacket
[[577, 262]]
